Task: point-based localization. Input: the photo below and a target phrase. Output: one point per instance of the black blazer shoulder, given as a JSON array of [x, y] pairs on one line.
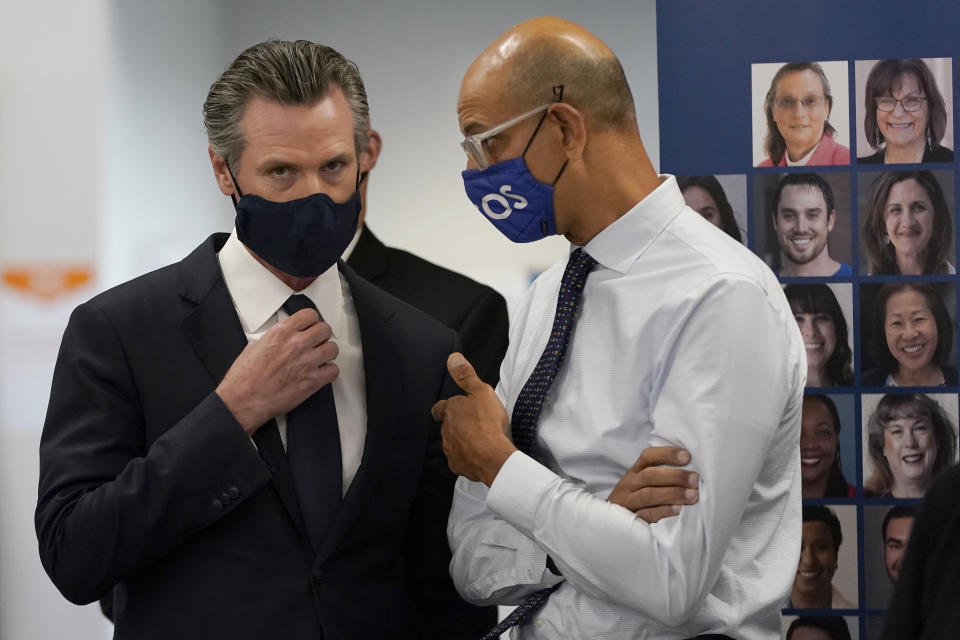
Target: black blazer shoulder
[[474, 310]]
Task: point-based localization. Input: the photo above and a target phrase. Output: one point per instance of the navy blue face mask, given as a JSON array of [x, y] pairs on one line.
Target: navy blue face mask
[[512, 199], [302, 237]]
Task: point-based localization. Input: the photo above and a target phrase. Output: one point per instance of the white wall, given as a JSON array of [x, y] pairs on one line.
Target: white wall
[[103, 163]]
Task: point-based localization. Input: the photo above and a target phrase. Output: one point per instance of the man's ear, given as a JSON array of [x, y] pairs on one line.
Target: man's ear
[[221, 173], [573, 128], [773, 220], [831, 220], [368, 158]]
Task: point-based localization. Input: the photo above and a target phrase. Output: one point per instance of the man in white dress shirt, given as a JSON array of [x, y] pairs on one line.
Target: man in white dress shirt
[[682, 338]]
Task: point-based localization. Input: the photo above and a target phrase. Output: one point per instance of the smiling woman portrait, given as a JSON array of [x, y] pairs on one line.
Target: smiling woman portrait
[[797, 108], [820, 469], [907, 226], [910, 439], [824, 329], [911, 336], [904, 114]]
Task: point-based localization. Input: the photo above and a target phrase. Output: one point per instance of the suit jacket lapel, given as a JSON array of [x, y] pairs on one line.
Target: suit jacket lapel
[[214, 330], [381, 371]]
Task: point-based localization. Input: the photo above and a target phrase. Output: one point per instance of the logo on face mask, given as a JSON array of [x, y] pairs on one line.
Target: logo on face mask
[[505, 209]]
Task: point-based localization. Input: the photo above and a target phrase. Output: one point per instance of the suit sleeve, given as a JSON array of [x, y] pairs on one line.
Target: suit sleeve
[[108, 502], [483, 335], [444, 613]]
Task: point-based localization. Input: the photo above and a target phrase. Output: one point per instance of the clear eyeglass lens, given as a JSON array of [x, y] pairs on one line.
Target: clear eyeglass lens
[[910, 103], [789, 102]]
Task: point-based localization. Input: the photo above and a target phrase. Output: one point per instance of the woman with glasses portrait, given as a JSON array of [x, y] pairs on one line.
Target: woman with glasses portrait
[[905, 117], [797, 107]]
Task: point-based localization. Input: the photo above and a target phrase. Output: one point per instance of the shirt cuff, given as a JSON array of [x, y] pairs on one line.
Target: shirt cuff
[[518, 490]]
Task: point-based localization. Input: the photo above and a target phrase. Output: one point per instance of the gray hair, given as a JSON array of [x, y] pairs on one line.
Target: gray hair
[[289, 72]]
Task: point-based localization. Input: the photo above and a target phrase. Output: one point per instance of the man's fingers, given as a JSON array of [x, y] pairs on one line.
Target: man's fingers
[[656, 514], [659, 496], [662, 477], [302, 319], [652, 456], [438, 409], [463, 373]]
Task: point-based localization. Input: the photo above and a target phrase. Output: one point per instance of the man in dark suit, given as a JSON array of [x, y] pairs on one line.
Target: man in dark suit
[[240, 444], [475, 311]]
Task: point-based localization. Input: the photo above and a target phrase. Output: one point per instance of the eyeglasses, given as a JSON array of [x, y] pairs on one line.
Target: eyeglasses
[[789, 103], [910, 103], [473, 145]]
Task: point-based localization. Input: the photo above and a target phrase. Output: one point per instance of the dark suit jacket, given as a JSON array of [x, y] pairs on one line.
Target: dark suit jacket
[[147, 481], [475, 311]]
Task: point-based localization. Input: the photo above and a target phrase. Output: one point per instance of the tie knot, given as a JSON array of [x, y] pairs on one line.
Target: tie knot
[[578, 266], [298, 302]]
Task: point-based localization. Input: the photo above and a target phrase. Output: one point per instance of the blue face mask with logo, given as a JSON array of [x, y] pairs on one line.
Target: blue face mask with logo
[[516, 203], [302, 237]]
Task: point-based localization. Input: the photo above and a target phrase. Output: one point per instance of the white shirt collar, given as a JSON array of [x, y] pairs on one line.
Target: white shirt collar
[[802, 162], [353, 243], [619, 245], [258, 294]]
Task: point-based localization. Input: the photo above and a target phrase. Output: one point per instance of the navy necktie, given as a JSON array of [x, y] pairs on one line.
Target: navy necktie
[[529, 404], [313, 450]]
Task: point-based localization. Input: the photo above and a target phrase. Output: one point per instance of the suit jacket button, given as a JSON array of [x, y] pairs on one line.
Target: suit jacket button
[[234, 492], [217, 505], [317, 577], [224, 498]]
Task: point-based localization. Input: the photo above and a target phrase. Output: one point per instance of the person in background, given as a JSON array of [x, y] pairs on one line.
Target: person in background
[[905, 117], [910, 440], [813, 587], [912, 338], [824, 330], [705, 195], [475, 311], [895, 532], [924, 601], [820, 450], [908, 229], [797, 107], [818, 628], [804, 213]]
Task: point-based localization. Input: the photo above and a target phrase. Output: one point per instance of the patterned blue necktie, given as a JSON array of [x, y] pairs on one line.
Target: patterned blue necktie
[[529, 404], [313, 450]]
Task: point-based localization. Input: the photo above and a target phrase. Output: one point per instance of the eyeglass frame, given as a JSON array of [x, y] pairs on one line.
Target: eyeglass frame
[[877, 100], [820, 101], [473, 145]]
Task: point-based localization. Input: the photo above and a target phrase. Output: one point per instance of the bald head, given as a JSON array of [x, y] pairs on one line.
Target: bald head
[[523, 65]]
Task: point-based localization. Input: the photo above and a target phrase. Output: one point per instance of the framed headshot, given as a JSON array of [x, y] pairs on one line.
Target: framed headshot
[[886, 532], [721, 200], [800, 114], [803, 224], [908, 440], [819, 627], [904, 110], [828, 441], [906, 334], [827, 576], [824, 315], [906, 222]]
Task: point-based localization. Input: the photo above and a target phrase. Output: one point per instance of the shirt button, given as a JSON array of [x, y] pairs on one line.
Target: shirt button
[[217, 505], [234, 492], [539, 622]]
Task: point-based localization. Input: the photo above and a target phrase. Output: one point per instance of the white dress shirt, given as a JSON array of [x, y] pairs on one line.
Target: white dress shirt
[[258, 296], [684, 338]]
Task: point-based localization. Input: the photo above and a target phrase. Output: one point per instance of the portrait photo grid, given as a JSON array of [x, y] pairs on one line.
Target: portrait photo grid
[[863, 237]]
